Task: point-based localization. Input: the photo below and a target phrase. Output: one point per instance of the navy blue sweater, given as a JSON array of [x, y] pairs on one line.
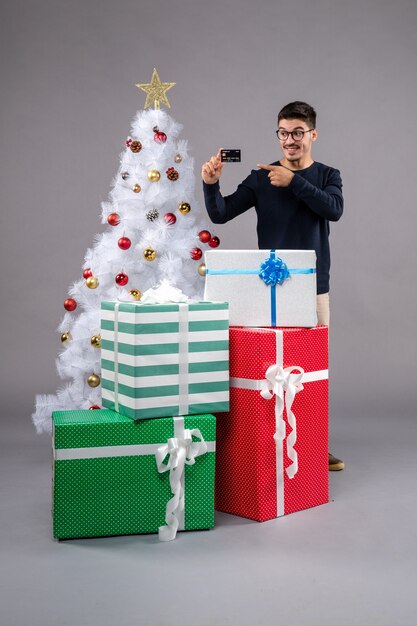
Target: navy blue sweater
[[289, 218]]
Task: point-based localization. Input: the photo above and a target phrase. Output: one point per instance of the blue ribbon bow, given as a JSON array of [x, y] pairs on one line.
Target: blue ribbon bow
[[274, 271]]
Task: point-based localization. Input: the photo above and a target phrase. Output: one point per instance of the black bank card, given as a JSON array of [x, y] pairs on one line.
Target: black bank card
[[230, 155]]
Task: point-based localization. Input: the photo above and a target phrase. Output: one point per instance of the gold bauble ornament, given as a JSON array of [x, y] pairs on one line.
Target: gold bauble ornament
[[184, 208], [93, 380], [136, 294], [96, 341], [154, 176], [178, 158], [92, 282], [136, 188], [149, 254], [66, 337], [201, 269]]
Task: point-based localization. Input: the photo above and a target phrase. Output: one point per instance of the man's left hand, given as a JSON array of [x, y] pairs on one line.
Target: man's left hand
[[278, 175]]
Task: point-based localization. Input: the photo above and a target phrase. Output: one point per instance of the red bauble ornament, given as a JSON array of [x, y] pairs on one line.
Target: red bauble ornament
[[160, 137], [196, 254], [121, 279], [70, 304], [128, 141], [204, 236], [87, 273], [169, 218], [124, 243], [94, 407], [113, 219], [214, 242]]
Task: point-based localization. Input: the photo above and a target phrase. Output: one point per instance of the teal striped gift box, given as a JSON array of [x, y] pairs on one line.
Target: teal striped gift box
[[160, 360]]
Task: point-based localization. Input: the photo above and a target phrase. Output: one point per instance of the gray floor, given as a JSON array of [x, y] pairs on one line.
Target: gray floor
[[353, 561]]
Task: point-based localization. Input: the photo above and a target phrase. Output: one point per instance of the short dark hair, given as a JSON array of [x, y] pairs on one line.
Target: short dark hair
[[298, 111]]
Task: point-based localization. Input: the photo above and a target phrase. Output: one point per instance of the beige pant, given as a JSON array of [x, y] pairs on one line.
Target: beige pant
[[323, 309]]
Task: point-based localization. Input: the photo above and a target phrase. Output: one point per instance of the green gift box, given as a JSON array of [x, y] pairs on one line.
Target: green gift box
[[116, 476], [159, 360]]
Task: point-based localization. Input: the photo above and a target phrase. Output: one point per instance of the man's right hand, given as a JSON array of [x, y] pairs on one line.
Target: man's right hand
[[212, 169]]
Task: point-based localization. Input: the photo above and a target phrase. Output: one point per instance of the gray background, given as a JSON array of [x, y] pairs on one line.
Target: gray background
[[68, 70]]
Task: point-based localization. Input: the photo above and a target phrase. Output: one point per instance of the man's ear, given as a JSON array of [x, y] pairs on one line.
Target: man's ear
[[314, 134]]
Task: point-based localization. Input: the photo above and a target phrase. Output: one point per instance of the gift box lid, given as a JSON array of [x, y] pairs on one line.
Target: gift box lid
[[103, 427], [139, 307], [253, 350], [245, 259]]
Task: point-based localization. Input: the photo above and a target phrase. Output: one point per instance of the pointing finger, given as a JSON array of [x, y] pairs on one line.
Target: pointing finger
[[270, 168]]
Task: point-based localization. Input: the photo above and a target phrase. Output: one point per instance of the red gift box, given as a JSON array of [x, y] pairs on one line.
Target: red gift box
[[272, 446]]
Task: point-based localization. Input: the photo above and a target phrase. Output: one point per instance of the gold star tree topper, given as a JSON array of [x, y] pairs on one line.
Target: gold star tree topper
[[156, 91]]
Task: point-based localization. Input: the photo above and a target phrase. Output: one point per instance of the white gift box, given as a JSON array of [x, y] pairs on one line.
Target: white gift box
[[264, 287]]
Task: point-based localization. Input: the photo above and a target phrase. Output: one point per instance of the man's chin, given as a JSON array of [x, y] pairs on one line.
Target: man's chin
[[293, 156], [293, 159]]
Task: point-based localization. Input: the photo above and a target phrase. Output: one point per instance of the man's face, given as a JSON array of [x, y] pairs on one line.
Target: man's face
[[296, 149]]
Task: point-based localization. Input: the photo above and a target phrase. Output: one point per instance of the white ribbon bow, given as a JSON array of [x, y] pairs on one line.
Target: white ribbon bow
[[284, 385], [181, 451]]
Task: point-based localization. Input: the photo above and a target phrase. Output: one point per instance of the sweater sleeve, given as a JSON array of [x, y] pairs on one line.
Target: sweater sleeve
[[223, 209], [326, 202]]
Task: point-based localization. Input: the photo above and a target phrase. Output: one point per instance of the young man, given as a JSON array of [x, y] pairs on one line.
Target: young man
[[294, 198]]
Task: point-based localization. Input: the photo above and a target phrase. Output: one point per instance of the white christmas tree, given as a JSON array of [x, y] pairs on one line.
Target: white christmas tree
[[154, 233]]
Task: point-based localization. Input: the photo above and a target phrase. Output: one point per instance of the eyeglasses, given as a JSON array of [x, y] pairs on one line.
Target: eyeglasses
[[296, 135]]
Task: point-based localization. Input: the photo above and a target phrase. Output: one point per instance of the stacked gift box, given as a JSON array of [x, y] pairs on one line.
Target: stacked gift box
[[146, 461], [272, 446], [107, 478]]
